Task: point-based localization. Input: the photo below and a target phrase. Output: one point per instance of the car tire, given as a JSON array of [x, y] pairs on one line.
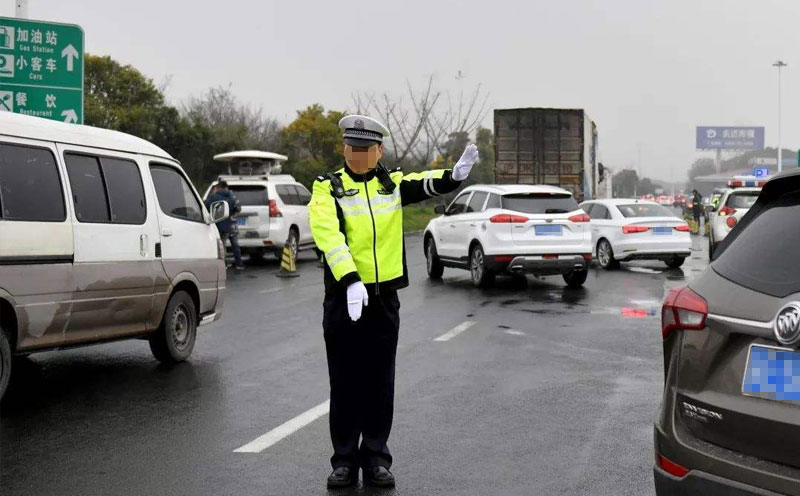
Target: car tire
[[576, 278], [294, 240], [605, 255], [675, 262], [482, 276], [434, 264], [5, 362], [174, 340]]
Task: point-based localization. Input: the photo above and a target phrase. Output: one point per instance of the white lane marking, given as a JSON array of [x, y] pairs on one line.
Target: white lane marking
[[515, 333], [455, 331], [285, 430], [273, 290]]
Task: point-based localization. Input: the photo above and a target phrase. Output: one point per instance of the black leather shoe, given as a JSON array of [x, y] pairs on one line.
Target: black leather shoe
[[343, 477], [378, 477]]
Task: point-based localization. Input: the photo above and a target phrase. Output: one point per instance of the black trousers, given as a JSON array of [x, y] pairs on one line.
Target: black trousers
[[361, 361]]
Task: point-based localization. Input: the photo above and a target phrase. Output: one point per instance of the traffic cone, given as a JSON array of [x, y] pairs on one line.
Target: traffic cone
[[288, 267]]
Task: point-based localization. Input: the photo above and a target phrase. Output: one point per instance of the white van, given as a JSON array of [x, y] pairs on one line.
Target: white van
[[274, 206], [102, 237]]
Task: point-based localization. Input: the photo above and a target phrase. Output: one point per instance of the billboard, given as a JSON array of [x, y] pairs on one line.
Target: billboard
[[730, 138]]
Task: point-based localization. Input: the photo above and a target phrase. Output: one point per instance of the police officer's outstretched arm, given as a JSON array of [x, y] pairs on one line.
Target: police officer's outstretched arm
[[420, 186]]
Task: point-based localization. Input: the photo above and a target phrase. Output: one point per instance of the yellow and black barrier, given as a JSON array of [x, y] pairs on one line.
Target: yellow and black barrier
[[288, 261]]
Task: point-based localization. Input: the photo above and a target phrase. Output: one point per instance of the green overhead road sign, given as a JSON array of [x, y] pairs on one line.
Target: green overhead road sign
[[41, 69]]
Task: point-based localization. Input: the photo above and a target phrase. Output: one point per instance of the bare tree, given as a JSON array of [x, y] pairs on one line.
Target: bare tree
[[221, 111], [420, 122]]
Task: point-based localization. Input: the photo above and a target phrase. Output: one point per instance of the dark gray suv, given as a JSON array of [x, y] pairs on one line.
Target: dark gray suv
[[730, 417]]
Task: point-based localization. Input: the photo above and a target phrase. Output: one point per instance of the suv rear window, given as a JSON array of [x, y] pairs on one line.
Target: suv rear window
[[540, 203], [743, 199], [771, 267], [251, 196]]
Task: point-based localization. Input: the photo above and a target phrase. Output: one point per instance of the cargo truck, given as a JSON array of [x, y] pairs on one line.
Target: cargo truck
[[546, 146]]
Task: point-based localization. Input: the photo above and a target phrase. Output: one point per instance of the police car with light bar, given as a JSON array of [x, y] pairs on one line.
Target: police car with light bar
[[736, 200]]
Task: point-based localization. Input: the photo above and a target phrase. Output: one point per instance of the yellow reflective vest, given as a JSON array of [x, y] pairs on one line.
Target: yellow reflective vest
[[361, 233]]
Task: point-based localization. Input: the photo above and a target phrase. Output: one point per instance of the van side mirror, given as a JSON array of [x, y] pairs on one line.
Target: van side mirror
[[439, 209], [220, 210]]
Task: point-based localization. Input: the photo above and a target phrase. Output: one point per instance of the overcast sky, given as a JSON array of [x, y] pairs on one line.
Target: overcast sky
[[647, 72]]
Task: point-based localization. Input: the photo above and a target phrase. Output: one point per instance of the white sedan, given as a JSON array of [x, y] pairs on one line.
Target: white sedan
[[628, 229], [511, 229]]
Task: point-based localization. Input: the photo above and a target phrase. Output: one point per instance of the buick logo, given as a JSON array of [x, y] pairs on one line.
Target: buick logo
[[787, 324]]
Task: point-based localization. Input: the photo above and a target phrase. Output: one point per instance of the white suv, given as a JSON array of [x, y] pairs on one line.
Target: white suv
[[733, 204], [512, 229], [274, 210]]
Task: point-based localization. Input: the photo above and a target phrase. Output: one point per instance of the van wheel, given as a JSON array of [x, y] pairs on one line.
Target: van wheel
[[576, 278], [5, 362], [174, 340], [434, 264], [482, 277]]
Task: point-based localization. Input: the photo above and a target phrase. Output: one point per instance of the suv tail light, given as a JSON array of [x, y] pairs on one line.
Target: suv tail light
[[670, 467], [274, 211], [634, 229], [682, 228], [726, 210], [683, 309], [507, 219], [580, 218]]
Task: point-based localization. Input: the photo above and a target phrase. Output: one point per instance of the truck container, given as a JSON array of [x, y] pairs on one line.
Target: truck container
[[546, 146]]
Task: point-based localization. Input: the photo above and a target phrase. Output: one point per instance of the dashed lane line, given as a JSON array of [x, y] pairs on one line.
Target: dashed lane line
[[285, 430], [455, 331]]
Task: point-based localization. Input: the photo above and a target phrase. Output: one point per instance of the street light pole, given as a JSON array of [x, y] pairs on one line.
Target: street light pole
[[779, 64]]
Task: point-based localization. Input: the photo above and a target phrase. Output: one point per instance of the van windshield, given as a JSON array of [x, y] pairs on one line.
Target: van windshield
[[251, 196]]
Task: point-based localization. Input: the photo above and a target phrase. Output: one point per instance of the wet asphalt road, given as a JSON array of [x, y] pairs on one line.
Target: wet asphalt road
[[551, 391]]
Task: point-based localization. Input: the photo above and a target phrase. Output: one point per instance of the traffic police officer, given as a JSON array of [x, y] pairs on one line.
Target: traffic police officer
[[357, 222]]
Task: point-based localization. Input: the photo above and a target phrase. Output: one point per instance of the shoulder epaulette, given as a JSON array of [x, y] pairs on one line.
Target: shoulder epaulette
[[321, 178]]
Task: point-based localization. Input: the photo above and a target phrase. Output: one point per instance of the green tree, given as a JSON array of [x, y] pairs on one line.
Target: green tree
[[121, 98], [313, 143], [483, 172]]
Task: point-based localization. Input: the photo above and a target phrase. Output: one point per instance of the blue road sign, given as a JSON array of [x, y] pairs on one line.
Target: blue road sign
[[760, 172], [730, 138]]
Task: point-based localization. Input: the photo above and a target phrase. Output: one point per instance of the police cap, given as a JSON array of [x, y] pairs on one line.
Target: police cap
[[360, 130]]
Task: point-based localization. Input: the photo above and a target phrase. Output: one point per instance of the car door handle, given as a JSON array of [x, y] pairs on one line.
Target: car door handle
[[143, 245], [472, 224], [453, 226], [166, 232]]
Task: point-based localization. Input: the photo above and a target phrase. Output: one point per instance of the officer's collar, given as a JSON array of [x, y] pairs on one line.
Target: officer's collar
[[360, 177]]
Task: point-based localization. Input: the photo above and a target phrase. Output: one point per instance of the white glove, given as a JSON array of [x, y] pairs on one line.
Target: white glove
[[357, 299], [465, 163]]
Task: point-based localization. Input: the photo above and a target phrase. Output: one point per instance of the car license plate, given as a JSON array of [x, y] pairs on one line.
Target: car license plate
[[241, 221], [772, 374], [548, 230], [662, 231]]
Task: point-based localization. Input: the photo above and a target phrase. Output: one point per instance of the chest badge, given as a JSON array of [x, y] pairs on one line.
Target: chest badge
[[351, 192]]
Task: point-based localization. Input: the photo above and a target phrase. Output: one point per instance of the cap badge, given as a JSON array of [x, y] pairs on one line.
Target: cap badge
[[358, 124]]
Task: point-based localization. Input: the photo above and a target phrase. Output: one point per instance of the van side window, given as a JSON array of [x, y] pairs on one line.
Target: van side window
[[125, 191], [88, 191], [30, 187], [174, 194], [106, 190]]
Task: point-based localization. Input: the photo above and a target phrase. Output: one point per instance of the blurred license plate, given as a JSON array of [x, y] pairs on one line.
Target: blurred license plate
[[772, 374], [662, 231], [241, 221], [547, 230]]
